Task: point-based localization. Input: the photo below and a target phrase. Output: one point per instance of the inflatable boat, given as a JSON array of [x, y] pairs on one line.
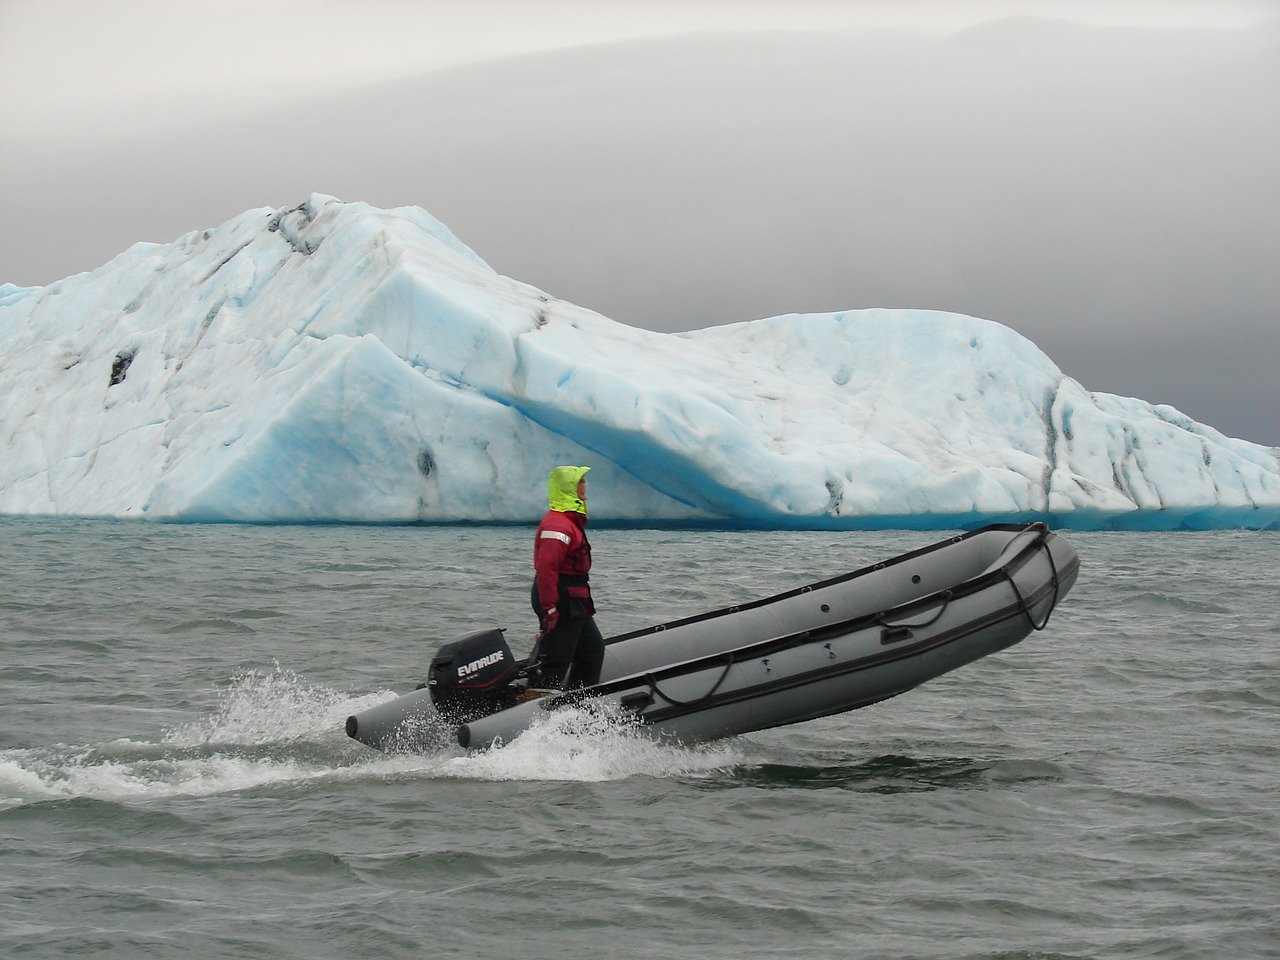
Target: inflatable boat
[[820, 649]]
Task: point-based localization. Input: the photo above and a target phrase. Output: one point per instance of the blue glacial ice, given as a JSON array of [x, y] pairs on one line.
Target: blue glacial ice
[[339, 362]]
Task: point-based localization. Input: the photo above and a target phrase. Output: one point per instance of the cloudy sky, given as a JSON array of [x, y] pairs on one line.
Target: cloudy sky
[[1100, 176]]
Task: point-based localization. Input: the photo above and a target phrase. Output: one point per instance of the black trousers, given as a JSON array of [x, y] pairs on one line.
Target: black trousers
[[572, 654]]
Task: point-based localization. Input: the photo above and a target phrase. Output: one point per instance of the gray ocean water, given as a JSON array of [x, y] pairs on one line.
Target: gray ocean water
[[175, 782]]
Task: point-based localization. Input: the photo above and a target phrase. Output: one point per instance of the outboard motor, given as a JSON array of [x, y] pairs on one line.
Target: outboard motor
[[472, 677]]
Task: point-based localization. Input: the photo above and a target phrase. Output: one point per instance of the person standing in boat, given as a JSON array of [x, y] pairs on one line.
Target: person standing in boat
[[570, 648]]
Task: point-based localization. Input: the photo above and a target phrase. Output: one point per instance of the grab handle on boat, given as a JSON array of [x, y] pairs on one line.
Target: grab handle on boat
[[893, 628], [894, 634]]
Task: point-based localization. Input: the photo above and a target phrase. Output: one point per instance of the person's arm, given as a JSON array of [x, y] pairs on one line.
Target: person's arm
[[549, 552]]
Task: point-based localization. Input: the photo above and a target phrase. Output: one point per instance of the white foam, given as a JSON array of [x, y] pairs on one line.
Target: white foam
[[569, 746], [29, 776], [18, 783], [591, 745], [62, 777]]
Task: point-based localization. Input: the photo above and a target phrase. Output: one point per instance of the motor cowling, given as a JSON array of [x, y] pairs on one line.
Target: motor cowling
[[471, 677]]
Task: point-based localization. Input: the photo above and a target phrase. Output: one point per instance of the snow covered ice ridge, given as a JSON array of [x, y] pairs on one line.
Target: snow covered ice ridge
[[339, 362]]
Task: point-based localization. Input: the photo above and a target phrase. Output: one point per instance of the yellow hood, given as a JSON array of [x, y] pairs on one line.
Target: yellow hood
[[562, 489]]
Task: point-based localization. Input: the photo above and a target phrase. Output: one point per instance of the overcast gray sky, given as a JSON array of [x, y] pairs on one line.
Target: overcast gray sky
[[1100, 176]]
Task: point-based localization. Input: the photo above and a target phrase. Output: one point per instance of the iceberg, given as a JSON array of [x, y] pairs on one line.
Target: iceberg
[[340, 362]]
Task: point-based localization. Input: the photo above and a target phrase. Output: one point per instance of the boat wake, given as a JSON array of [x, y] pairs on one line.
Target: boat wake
[[274, 730], [592, 743]]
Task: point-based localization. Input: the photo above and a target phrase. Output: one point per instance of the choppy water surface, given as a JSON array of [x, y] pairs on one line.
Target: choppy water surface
[[174, 779]]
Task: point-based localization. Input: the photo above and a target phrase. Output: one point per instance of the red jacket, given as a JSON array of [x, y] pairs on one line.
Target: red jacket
[[560, 549]]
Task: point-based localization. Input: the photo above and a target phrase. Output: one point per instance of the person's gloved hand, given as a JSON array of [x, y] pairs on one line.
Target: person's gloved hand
[[549, 620]]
